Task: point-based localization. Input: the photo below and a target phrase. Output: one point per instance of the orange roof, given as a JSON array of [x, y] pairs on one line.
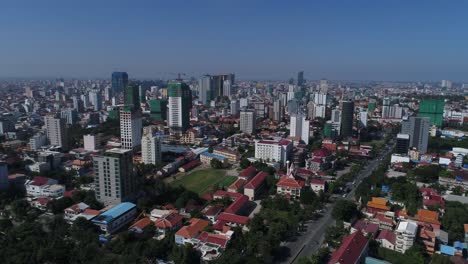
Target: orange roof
[[428, 216], [465, 226], [426, 234], [142, 223], [196, 226], [379, 203], [290, 182]]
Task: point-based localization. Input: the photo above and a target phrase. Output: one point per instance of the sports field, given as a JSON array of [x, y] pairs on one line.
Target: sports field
[[202, 181]]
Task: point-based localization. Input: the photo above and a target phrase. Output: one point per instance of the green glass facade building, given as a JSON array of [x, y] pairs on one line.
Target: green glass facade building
[[158, 109], [132, 96], [434, 109], [179, 105]]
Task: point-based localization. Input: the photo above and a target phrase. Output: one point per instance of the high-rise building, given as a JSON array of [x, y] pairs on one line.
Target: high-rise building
[[56, 131], [300, 78], [150, 149], [205, 89], [131, 96], [218, 83], [142, 94], [402, 143], [320, 99], [37, 141], [91, 142], [235, 108], [363, 119], [6, 125], [78, 104], [278, 110], [130, 128], [113, 176], [4, 176], [247, 121], [96, 99], [434, 109], [158, 109], [179, 104], [119, 81], [323, 86], [70, 115], [347, 114], [446, 84], [299, 126], [227, 88], [418, 130]]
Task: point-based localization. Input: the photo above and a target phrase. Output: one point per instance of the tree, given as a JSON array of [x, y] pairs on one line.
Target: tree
[[344, 210], [244, 163], [216, 164], [57, 206], [456, 214], [210, 149], [308, 196]]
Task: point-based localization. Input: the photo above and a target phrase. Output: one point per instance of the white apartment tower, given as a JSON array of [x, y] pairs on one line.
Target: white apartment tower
[[130, 128], [56, 128], [247, 121], [150, 149], [299, 127]]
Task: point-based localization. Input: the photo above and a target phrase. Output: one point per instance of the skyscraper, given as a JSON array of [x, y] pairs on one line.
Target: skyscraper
[[113, 175], [56, 131], [434, 109], [132, 97], [205, 89], [402, 143], [130, 128], [347, 114], [418, 130], [119, 81], [95, 99], [300, 78], [179, 104], [299, 127], [158, 109], [150, 149], [218, 83], [278, 110], [323, 86], [247, 121], [70, 115], [227, 88], [386, 108]]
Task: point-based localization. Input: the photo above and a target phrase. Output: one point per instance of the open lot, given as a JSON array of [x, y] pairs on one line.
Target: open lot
[[202, 181]]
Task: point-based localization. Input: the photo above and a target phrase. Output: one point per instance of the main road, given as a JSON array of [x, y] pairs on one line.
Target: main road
[[309, 241]]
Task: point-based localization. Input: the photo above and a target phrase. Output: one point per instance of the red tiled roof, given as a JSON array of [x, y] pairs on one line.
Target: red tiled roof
[[350, 250], [221, 194], [237, 205], [248, 172], [216, 239], [169, 221], [257, 180], [323, 152], [290, 182], [196, 226], [232, 218], [317, 182], [39, 181], [212, 210], [142, 223], [191, 164], [237, 184], [219, 225], [91, 212], [388, 235]]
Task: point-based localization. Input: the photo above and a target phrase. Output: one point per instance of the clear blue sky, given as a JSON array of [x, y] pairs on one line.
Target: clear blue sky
[[347, 39]]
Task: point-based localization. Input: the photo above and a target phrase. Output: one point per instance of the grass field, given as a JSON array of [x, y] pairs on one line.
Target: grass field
[[202, 181]]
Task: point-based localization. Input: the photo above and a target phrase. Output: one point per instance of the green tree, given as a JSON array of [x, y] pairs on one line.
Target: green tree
[[244, 163], [344, 210], [216, 164]]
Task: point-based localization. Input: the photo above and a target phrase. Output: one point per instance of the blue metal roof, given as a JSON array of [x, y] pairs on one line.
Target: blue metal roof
[[113, 213], [447, 250], [206, 153]]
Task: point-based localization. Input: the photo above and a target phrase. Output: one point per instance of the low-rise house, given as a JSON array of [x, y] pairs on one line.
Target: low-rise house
[[431, 198], [317, 185], [353, 250], [72, 212], [253, 187], [428, 239], [188, 234], [170, 222], [367, 228], [139, 226], [156, 214], [211, 212], [385, 220], [43, 187], [115, 218], [232, 220], [211, 245], [377, 204], [427, 217], [387, 239], [189, 166]]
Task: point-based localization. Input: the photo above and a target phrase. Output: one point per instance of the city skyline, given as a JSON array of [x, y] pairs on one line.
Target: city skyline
[[395, 41]]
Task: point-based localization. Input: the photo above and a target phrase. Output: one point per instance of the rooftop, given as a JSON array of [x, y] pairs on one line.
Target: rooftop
[[114, 212]]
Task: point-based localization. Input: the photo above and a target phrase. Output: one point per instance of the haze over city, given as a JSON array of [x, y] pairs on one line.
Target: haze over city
[[338, 40]]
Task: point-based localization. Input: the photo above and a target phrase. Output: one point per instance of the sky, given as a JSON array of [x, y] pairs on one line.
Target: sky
[[255, 39]]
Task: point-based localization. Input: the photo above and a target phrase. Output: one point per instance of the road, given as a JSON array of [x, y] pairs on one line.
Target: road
[[308, 242]]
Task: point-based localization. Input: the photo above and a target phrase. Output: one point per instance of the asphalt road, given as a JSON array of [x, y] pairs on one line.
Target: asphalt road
[[309, 242]]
